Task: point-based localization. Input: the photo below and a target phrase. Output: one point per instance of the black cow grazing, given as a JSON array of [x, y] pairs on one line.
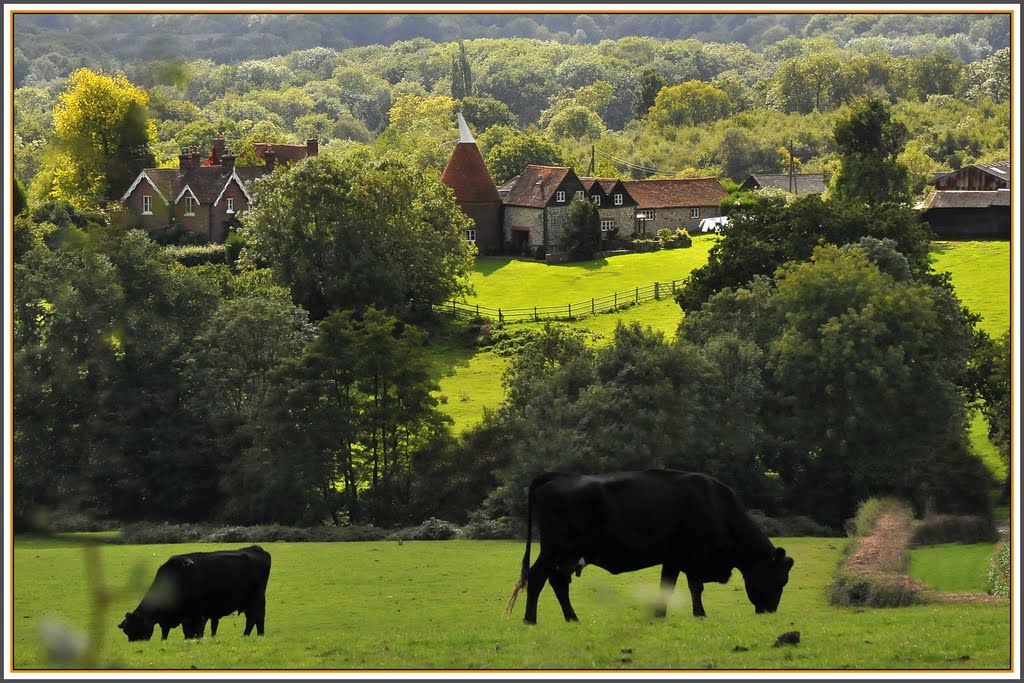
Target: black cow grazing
[[686, 522], [193, 588]]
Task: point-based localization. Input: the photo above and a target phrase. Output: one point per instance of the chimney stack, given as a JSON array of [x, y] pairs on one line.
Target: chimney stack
[[228, 160], [312, 147], [270, 156], [218, 149]]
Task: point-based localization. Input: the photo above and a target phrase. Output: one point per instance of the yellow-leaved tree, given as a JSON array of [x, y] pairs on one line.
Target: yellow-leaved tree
[[103, 138]]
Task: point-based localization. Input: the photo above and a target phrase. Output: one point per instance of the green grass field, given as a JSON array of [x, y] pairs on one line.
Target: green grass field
[[952, 567], [981, 276], [439, 605]]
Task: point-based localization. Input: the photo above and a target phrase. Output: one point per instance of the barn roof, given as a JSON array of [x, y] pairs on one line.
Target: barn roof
[[965, 199], [665, 194], [804, 183]]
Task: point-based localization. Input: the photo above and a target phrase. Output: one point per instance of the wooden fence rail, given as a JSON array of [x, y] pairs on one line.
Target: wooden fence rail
[[572, 311]]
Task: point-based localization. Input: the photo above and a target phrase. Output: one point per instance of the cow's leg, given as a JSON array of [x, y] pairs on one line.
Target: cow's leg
[[213, 626], [164, 630], [560, 584], [668, 585], [696, 588], [535, 581], [254, 617]]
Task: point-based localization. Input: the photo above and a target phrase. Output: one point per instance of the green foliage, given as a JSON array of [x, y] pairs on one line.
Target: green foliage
[[350, 233], [651, 81], [583, 234], [872, 509], [462, 75], [508, 158], [935, 529], [198, 254], [857, 590], [687, 104], [20, 197], [999, 572], [869, 142]]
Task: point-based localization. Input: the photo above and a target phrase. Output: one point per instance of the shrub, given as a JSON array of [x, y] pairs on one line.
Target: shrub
[[432, 529], [665, 234], [860, 590], [682, 236], [797, 525], [482, 528], [144, 533], [870, 510], [936, 529], [198, 255], [999, 571]]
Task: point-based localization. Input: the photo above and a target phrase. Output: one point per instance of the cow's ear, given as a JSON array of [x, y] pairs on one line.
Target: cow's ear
[[779, 554]]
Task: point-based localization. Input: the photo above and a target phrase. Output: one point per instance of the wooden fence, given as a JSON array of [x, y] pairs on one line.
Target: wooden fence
[[579, 309]]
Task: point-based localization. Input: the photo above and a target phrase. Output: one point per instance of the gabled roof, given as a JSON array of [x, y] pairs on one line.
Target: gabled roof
[[609, 186], [1000, 169], [537, 185], [206, 183], [803, 183], [285, 154], [666, 194], [467, 175]]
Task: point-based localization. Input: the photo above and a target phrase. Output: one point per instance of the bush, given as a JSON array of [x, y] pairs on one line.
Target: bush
[[198, 255], [682, 236], [432, 529], [936, 529], [999, 571], [145, 532], [858, 590], [481, 527], [798, 525], [870, 510]]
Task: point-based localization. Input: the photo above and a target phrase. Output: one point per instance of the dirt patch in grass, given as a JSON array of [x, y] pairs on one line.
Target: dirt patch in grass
[[882, 557]]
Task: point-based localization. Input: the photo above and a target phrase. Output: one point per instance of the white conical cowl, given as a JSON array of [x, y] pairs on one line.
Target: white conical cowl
[[464, 134]]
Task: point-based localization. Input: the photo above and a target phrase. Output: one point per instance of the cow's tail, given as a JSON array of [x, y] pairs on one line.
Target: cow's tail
[[524, 572]]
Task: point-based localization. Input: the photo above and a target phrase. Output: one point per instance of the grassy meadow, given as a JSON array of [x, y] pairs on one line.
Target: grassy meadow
[[952, 567], [439, 605], [471, 380]]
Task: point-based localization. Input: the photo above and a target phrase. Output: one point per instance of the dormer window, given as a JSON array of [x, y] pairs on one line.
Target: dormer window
[[147, 205], [190, 206], [560, 196], [618, 199], [579, 193], [597, 200], [231, 205]]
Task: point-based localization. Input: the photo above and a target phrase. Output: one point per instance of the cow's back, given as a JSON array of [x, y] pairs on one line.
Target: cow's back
[[221, 582]]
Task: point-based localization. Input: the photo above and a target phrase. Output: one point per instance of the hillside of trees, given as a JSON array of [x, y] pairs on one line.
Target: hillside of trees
[[286, 378]]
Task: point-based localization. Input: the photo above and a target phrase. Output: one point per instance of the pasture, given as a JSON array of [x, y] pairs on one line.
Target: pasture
[[439, 605]]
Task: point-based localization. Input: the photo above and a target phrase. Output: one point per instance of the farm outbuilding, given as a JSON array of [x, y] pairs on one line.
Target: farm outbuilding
[[967, 213]]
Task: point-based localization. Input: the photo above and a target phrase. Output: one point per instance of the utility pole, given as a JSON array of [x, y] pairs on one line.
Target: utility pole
[[792, 179], [591, 171]]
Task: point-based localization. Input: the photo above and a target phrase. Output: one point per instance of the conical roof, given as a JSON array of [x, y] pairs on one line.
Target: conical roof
[[467, 174]]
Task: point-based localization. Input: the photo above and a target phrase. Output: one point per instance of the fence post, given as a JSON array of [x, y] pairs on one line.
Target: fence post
[[478, 310], [535, 318], [501, 319], [637, 295], [592, 311], [570, 311], [615, 302], [453, 307], [657, 290], [673, 286]]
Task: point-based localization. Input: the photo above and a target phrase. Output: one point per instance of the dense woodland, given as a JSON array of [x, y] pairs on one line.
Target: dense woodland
[[289, 380]]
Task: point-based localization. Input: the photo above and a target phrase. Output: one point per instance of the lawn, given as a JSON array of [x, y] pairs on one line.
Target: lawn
[[981, 277], [952, 567], [439, 605]]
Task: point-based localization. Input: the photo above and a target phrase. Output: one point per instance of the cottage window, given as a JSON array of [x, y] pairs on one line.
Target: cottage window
[[618, 199], [190, 206], [231, 204], [695, 213], [607, 225], [560, 196], [471, 236], [645, 214], [147, 204], [579, 193], [597, 199]]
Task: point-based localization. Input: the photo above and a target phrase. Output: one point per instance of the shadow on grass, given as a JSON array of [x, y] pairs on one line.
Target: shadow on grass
[[488, 265]]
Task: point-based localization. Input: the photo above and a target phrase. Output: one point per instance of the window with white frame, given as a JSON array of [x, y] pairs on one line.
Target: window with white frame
[[579, 193], [471, 236], [646, 214], [618, 199], [607, 225], [597, 199], [231, 204], [190, 206], [560, 196], [695, 213], [147, 204]]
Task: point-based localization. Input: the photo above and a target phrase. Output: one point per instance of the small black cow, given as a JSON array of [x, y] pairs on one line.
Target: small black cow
[[192, 588], [688, 523]]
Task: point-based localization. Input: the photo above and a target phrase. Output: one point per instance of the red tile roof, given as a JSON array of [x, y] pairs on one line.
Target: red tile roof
[[665, 194], [467, 175], [285, 154]]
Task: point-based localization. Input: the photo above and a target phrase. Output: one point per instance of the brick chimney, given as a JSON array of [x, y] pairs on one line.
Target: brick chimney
[[228, 160], [218, 149], [188, 159], [312, 147], [270, 156]]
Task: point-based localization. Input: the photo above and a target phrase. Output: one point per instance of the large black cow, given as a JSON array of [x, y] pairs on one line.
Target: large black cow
[[686, 522], [191, 588]]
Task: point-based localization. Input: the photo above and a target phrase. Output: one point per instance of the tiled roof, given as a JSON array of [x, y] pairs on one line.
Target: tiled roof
[[664, 194], [804, 183], [965, 199], [285, 153], [1000, 169], [537, 185], [467, 175]]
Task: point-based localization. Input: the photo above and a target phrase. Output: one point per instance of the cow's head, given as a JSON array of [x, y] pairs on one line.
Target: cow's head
[[765, 580], [137, 626]]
